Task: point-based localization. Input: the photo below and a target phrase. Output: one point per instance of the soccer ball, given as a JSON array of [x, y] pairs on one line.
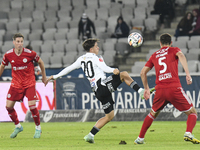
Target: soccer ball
[[135, 39]]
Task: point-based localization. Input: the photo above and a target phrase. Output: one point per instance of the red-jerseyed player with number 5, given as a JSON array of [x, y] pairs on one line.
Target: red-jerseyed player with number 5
[[168, 87], [23, 82]]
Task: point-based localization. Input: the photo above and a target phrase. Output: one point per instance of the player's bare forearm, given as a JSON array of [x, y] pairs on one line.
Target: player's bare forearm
[[43, 72], [183, 62], [47, 81], [1, 69], [143, 75]]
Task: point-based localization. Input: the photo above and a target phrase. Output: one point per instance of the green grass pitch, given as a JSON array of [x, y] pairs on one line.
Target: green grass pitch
[[162, 135]]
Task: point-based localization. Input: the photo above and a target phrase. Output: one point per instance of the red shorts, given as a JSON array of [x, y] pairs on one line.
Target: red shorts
[[174, 95], [15, 94]]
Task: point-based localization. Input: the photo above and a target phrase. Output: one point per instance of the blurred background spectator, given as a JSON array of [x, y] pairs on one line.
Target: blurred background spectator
[[121, 29], [196, 23], [84, 27], [165, 8], [185, 25]]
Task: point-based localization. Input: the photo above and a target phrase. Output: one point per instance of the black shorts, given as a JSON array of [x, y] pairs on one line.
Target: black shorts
[[104, 93]]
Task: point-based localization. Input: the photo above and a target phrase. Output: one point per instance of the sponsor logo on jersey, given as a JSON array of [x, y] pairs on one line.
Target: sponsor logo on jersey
[[92, 80], [162, 50], [9, 95], [100, 59], [92, 84], [19, 68], [165, 76], [24, 60], [36, 57]]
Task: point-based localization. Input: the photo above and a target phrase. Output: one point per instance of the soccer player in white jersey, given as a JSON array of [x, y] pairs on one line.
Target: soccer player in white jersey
[[95, 68]]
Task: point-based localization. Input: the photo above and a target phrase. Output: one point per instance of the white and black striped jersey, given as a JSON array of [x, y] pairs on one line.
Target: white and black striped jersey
[[92, 65]]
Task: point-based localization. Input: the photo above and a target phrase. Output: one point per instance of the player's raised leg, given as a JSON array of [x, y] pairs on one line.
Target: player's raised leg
[[124, 76]]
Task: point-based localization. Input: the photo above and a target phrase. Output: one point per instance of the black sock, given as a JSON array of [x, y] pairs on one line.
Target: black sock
[[94, 130], [134, 86]]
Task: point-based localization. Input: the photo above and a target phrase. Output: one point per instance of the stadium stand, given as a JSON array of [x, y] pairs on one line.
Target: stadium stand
[[56, 60], [54, 19]]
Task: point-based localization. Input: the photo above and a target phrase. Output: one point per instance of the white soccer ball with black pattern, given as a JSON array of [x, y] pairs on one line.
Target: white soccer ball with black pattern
[[135, 39]]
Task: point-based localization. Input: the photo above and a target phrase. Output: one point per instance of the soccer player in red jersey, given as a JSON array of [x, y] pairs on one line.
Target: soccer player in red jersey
[[23, 82], [168, 87]]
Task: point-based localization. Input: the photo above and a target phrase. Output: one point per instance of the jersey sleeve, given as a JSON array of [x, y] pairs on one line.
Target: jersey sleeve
[[176, 50], [102, 65], [5, 61], [75, 65], [149, 63], [35, 56]]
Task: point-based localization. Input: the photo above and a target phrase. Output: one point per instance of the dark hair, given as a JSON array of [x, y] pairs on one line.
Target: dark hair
[[165, 39], [89, 43], [17, 35], [197, 11], [185, 20], [120, 18], [29, 47]]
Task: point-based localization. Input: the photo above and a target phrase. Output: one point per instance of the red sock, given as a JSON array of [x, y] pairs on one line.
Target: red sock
[[13, 115], [146, 124], [191, 122], [35, 114]]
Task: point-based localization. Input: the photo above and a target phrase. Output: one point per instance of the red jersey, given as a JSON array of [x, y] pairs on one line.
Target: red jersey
[[23, 74], [165, 62]]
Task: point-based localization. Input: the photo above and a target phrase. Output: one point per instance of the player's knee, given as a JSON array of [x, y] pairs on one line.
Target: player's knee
[[154, 114], [10, 109], [32, 104], [124, 74], [32, 107], [110, 116], [191, 111]]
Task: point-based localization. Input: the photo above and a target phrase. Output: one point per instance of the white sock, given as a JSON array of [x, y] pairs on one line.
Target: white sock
[[18, 125], [141, 139], [91, 134], [38, 127], [140, 89], [187, 133]]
